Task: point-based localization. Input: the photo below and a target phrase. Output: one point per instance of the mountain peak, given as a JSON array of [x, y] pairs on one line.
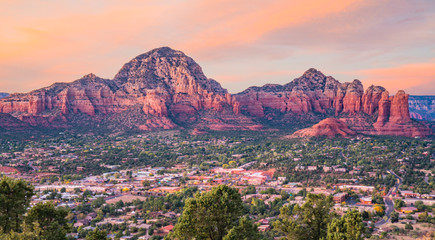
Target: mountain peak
[[314, 74], [160, 64], [89, 76], [162, 52]]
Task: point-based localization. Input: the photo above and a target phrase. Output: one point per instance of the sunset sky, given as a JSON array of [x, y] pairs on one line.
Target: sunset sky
[[238, 43]]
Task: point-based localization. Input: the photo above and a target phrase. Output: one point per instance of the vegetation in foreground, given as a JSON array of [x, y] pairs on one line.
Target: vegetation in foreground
[[218, 215]]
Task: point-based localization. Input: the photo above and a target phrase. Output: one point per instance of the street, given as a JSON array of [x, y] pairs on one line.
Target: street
[[388, 200]]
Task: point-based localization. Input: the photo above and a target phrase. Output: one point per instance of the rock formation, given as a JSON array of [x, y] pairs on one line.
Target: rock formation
[[169, 87], [165, 89], [394, 117], [330, 127], [369, 112]]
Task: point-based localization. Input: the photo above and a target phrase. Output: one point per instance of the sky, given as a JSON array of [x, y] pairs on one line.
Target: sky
[[238, 43]]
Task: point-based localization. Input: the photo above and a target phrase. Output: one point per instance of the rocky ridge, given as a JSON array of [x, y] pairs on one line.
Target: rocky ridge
[[165, 89], [369, 112], [169, 87]]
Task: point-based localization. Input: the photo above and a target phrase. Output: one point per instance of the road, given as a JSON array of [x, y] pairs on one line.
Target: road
[[388, 200]]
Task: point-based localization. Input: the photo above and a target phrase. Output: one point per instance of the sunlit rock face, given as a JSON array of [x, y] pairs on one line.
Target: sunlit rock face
[[168, 86], [369, 112], [165, 89]]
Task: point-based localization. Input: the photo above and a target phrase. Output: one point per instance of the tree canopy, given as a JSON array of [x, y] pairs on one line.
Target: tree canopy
[[210, 215], [246, 230], [348, 227], [97, 235], [307, 222], [51, 221], [15, 196]]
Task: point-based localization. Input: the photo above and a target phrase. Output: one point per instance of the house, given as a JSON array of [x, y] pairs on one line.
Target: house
[[327, 169], [366, 200], [263, 222], [339, 197], [357, 188], [125, 237], [264, 228], [409, 194], [165, 230], [312, 168]]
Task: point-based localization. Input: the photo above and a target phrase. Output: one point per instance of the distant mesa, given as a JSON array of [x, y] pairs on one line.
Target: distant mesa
[[422, 107], [329, 127], [165, 89], [2, 94]]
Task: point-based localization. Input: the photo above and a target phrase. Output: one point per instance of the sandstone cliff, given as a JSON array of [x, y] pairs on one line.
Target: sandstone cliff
[[168, 86], [165, 89], [318, 96]]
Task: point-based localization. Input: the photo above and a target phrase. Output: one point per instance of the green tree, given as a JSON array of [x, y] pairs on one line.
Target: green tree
[[408, 226], [98, 202], [97, 235], [246, 230], [309, 221], [398, 203], [348, 227], [249, 190], [119, 204], [26, 234], [15, 196], [419, 205], [209, 215], [51, 221], [394, 217]]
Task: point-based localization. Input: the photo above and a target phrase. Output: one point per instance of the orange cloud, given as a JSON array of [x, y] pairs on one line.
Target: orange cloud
[[415, 78], [242, 42], [247, 27]]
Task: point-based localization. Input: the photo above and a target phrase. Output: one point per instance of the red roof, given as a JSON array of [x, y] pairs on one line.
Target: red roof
[[168, 228]]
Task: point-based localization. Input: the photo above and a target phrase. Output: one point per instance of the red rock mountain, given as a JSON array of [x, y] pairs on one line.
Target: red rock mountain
[[330, 127], [165, 89], [313, 96]]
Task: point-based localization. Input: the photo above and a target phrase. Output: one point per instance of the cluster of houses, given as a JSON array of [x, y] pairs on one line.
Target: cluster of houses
[[141, 183]]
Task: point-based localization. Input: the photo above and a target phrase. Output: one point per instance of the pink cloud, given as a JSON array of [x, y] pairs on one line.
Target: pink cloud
[[46, 42]]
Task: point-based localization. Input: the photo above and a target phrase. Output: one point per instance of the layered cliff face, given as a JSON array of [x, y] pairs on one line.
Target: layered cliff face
[[394, 118], [312, 92], [169, 87], [422, 107], [369, 112], [54, 105]]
